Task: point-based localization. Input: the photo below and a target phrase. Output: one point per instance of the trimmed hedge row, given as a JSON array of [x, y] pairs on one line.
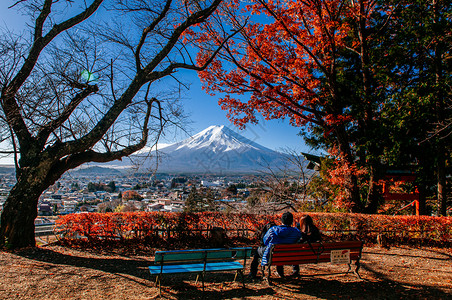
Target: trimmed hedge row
[[394, 229], [150, 226]]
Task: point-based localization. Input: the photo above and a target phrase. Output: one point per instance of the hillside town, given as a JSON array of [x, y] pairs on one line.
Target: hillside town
[[243, 186], [95, 192]]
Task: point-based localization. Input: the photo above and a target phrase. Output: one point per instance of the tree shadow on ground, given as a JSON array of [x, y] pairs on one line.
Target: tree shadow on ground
[[435, 255], [181, 286], [305, 287], [376, 285], [218, 285], [130, 266]]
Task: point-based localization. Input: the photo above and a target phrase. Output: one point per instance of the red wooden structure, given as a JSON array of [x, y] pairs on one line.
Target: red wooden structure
[[400, 176]]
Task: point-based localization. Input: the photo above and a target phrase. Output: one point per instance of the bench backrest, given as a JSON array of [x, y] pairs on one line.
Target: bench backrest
[[202, 255], [295, 254]]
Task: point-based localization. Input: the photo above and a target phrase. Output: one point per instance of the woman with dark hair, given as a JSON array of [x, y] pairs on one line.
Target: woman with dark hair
[[309, 234]]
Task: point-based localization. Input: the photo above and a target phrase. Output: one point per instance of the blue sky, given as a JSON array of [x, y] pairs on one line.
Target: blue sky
[[203, 109]]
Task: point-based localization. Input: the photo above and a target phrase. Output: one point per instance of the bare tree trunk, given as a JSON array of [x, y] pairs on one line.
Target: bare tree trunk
[[422, 200], [440, 155], [374, 197], [17, 228], [441, 177], [351, 180]]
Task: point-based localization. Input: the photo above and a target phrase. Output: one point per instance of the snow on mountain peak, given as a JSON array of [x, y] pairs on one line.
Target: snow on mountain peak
[[217, 150], [219, 138]]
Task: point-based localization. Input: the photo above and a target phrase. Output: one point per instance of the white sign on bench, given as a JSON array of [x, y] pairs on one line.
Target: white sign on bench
[[340, 256]]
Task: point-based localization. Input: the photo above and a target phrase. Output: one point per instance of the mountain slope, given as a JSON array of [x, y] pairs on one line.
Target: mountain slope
[[216, 139], [217, 149]]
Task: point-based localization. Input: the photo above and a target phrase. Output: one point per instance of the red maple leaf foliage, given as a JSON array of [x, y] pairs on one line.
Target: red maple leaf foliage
[[282, 63], [141, 226], [288, 62]]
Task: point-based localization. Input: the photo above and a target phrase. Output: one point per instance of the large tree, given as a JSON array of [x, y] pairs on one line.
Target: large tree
[[310, 62], [417, 113], [334, 68], [83, 86]]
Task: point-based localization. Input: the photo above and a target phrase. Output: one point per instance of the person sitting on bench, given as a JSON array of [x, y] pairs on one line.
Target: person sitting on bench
[[309, 234], [282, 234]]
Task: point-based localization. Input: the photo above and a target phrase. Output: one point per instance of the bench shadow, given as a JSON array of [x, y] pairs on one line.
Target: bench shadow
[[135, 269], [326, 288], [322, 286], [221, 286]]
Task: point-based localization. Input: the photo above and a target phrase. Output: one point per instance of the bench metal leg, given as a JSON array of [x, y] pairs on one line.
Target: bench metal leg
[[202, 279], [349, 267], [241, 275], [357, 268], [158, 281]]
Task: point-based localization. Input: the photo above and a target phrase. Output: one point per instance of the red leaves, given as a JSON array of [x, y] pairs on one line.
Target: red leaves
[[140, 225], [131, 195], [279, 61]]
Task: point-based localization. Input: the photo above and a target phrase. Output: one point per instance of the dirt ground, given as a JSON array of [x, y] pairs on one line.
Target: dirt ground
[[55, 272]]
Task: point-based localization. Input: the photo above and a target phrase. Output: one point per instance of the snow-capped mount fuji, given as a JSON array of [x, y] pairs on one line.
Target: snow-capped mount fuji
[[217, 149], [216, 139]]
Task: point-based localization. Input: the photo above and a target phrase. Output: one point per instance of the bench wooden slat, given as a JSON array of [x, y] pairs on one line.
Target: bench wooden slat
[[293, 253], [297, 261], [181, 268], [242, 253], [308, 255], [199, 261], [224, 266], [316, 246], [195, 268], [220, 255], [294, 262], [178, 256], [278, 258], [201, 254], [297, 254]]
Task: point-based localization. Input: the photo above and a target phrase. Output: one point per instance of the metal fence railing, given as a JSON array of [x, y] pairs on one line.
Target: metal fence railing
[[45, 232]]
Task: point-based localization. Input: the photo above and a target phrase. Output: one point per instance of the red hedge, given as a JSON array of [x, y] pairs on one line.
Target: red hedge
[[143, 225]]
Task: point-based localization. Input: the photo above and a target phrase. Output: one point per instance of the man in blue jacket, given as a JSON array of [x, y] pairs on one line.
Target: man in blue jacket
[[283, 234]]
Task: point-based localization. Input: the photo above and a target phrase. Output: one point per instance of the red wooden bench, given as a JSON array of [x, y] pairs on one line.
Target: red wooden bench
[[328, 252]]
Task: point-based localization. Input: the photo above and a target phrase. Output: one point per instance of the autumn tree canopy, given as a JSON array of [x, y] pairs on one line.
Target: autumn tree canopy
[[296, 64], [326, 65], [417, 113]]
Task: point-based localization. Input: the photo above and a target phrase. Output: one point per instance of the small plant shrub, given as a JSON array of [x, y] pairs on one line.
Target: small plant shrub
[[174, 230]]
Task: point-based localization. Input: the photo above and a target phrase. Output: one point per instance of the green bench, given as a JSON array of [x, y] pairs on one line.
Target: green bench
[[199, 261], [342, 252]]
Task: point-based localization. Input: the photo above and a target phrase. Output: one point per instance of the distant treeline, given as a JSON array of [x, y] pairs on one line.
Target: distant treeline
[[110, 187]]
